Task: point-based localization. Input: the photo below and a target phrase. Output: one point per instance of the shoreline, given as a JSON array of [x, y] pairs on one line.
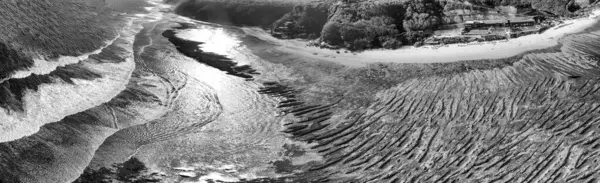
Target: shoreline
[[432, 54]]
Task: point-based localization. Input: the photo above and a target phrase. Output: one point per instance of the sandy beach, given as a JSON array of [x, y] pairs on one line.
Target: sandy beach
[[431, 54]]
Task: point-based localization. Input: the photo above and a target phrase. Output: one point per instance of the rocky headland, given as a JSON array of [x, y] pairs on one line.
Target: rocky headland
[[359, 24]]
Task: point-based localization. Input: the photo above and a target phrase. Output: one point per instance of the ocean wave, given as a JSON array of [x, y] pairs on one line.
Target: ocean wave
[[53, 101], [41, 67]]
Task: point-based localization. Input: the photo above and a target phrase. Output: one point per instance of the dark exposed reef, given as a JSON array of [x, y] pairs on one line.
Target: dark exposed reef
[[530, 118], [292, 104], [132, 170], [191, 49]]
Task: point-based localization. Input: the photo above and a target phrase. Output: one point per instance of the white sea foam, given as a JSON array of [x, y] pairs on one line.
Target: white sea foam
[[219, 40], [52, 102], [41, 66], [159, 4], [216, 176]]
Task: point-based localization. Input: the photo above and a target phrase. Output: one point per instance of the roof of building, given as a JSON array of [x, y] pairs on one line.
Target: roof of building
[[494, 21], [475, 22], [514, 20], [522, 20]]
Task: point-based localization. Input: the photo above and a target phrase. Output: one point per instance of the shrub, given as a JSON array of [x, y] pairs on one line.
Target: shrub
[[309, 19], [418, 44], [331, 34], [352, 32], [359, 44], [389, 42]]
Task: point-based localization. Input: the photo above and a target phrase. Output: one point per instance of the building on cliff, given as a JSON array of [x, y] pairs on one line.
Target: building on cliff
[[484, 24]]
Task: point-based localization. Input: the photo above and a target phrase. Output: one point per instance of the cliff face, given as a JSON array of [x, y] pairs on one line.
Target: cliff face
[[365, 24]]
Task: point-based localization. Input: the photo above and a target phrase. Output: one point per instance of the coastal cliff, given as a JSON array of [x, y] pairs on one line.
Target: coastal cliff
[[358, 25]]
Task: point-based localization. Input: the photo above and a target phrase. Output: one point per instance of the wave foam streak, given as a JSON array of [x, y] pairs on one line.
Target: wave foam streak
[[53, 101]]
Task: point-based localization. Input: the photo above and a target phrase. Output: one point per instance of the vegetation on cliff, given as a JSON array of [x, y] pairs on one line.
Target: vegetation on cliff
[[305, 21], [363, 25]]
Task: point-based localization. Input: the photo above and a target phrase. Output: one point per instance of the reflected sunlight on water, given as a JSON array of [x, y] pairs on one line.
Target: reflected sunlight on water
[[246, 136], [215, 40], [220, 41]]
